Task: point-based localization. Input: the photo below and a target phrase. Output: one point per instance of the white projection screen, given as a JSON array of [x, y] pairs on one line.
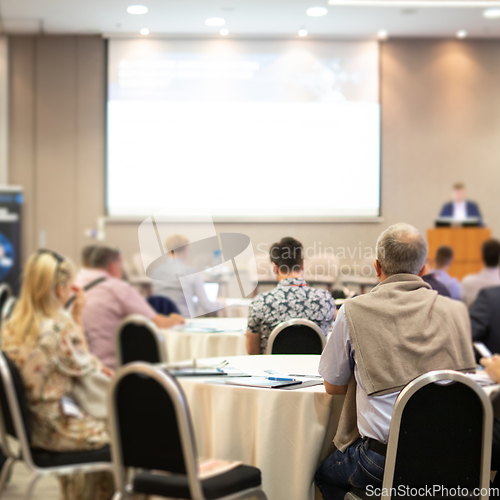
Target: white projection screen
[[249, 129]]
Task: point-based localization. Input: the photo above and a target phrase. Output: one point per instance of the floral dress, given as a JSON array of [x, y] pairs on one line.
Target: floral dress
[[48, 369]]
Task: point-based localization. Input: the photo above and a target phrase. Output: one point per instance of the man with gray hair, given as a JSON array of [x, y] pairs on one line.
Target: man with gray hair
[[380, 342]]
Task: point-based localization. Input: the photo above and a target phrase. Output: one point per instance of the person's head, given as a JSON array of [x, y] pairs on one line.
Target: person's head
[[444, 257], [47, 285], [458, 192], [108, 259], [400, 249], [174, 242], [491, 253], [87, 252], [288, 257]]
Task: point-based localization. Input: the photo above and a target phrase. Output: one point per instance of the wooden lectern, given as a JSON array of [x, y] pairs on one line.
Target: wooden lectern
[[466, 243]]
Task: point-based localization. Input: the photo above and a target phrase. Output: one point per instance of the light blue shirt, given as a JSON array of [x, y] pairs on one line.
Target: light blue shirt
[[449, 282], [336, 365]]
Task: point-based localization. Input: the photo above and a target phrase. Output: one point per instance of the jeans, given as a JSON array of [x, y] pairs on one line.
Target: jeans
[[357, 467]]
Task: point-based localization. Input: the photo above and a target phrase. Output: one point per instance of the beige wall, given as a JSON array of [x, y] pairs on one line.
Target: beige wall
[[57, 139], [440, 123]]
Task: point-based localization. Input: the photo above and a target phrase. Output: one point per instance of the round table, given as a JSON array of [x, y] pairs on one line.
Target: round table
[[195, 340], [283, 432]]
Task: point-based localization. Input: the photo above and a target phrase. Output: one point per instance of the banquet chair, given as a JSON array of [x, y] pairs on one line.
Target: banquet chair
[[151, 430], [7, 308], [15, 424], [440, 434], [138, 339], [296, 336], [5, 294]]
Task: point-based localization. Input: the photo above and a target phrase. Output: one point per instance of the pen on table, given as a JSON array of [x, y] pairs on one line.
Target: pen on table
[[281, 379]]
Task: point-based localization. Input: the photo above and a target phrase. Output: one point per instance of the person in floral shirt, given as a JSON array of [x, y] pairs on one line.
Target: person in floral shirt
[[48, 346], [292, 298]]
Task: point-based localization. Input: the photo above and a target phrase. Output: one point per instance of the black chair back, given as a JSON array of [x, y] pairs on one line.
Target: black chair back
[[17, 383], [148, 427], [440, 438], [296, 336], [138, 340], [5, 293]]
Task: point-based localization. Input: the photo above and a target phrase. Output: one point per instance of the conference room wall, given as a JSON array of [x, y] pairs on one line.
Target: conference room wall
[[440, 123], [57, 137]]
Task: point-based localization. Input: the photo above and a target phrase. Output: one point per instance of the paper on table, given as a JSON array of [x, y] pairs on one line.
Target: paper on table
[[190, 328], [261, 382], [482, 378]]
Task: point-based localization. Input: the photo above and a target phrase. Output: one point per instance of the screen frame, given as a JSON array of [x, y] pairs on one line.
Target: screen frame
[[246, 219]]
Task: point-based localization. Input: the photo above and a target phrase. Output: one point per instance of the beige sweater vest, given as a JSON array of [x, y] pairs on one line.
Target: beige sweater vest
[[399, 331]]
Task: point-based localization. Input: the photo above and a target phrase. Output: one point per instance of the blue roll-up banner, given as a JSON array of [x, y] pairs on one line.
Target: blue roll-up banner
[[11, 202]]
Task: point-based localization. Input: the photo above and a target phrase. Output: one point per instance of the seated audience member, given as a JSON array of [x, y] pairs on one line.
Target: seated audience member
[[381, 341], [292, 298], [488, 277], [190, 297], [49, 348], [485, 318], [430, 278], [442, 261], [109, 301]]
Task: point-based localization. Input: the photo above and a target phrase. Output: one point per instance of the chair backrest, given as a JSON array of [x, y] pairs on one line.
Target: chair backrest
[[138, 339], [150, 424], [5, 293], [163, 305], [296, 336], [7, 308], [440, 434], [14, 413]]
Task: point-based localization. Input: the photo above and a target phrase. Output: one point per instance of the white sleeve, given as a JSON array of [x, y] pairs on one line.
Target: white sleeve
[[337, 361]]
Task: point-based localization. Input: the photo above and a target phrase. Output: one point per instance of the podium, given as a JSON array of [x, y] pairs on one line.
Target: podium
[[466, 243]]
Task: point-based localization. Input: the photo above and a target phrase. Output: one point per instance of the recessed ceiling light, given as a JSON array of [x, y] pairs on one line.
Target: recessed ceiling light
[[382, 35], [302, 32], [415, 3], [316, 11], [461, 34], [144, 31], [492, 13], [137, 9], [224, 32], [215, 21]]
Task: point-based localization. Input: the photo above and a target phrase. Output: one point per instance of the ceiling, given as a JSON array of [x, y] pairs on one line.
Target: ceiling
[[255, 18]]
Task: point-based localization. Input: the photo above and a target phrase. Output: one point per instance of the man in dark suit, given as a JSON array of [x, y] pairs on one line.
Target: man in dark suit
[[461, 208], [485, 318]]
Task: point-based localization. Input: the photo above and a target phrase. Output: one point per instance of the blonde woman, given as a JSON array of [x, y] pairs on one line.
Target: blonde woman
[[48, 346]]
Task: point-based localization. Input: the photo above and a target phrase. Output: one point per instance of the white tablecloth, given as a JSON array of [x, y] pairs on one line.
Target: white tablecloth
[[229, 341], [283, 432]]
